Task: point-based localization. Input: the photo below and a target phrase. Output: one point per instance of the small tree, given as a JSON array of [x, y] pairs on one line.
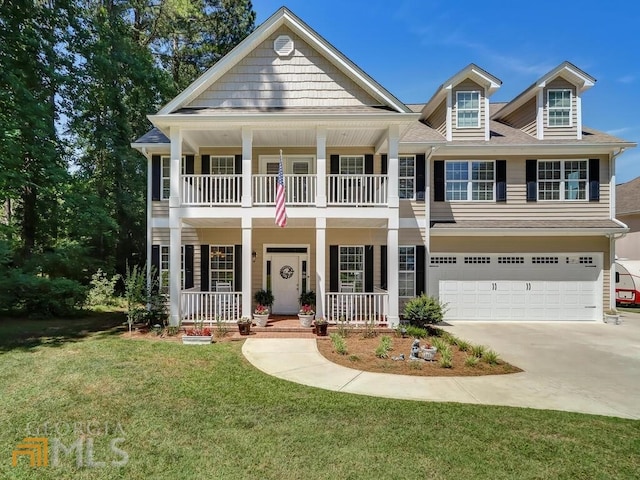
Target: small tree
[[424, 310], [135, 293]]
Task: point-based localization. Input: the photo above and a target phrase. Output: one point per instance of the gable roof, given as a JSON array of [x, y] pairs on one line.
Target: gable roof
[[285, 17], [582, 80], [628, 197]]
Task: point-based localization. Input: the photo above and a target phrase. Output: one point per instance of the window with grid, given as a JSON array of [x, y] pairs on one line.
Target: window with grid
[[165, 178], [222, 264], [406, 176], [222, 165], [559, 108], [164, 272], [353, 165], [469, 180], [562, 180], [352, 266], [407, 271], [468, 109]]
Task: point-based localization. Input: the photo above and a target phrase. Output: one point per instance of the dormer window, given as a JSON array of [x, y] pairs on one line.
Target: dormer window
[[468, 109], [559, 108]]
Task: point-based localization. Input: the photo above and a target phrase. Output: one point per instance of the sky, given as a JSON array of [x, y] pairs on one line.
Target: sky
[[411, 46]]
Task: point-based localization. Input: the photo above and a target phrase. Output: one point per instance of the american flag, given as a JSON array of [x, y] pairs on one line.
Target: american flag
[[281, 209]]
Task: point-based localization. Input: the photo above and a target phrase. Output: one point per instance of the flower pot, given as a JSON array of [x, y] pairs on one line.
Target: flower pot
[[244, 328], [305, 320], [321, 329], [196, 339], [261, 319], [429, 353]]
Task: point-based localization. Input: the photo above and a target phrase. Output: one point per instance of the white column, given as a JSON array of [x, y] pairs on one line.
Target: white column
[[427, 220], [247, 266], [321, 265], [149, 215], [247, 155], [393, 138], [321, 167], [393, 317], [175, 226]]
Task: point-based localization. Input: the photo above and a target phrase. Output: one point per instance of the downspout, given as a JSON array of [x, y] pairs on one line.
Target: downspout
[[614, 236]]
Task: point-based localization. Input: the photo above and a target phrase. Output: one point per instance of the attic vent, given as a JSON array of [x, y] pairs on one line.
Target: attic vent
[[283, 45]]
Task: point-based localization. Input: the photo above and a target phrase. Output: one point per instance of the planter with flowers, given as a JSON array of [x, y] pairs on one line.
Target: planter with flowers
[[321, 326], [244, 325], [197, 335], [261, 315], [305, 315]]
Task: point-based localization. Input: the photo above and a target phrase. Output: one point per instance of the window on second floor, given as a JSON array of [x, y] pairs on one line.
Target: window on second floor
[[559, 108], [406, 176], [469, 180], [562, 179], [468, 109]]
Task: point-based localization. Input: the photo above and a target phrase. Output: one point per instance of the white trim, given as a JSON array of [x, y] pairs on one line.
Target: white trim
[[408, 271], [469, 181], [579, 114], [522, 232], [287, 162], [458, 109], [562, 180], [549, 108], [449, 115], [400, 177], [487, 121], [540, 114]]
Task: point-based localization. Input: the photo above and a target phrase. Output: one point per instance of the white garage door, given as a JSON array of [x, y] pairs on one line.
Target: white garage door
[[519, 286]]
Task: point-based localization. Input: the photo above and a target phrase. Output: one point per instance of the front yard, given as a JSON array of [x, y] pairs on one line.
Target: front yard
[[204, 412]]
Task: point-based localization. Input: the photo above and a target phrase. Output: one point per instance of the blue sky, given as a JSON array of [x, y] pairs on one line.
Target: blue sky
[[412, 46]]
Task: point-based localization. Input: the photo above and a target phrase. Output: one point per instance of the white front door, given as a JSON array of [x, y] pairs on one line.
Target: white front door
[[285, 283]]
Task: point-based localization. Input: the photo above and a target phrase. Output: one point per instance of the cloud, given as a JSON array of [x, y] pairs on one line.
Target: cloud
[[627, 79], [624, 130]]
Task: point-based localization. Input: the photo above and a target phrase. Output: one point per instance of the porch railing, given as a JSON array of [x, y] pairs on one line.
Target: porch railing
[[357, 308], [360, 190], [209, 307], [211, 189], [299, 189]]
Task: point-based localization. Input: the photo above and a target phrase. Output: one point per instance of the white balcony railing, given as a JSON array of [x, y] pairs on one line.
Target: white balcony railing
[[211, 307], [357, 308], [211, 189], [360, 190], [299, 189]]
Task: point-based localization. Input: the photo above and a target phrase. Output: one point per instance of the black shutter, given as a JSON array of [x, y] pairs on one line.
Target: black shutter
[[368, 164], [335, 164], [501, 180], [237, 269], [155, 264], [420, 174], [384, 167], [205, 164], [368, 268], [238, 166], [333, 268], [420, 277], [594, 180], [204, 268], [438, 180], [188, 266], [532, 180], [383, 267], [155, 177], [189, 164]]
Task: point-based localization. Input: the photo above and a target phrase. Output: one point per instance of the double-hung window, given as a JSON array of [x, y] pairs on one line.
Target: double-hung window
[[406, 176], [559, 108], [562, 179], [407, 271], [164, 272], [222, 165], [352, 165], [222, 264], [468, 109], [165, 176], [352, 266], [470, 180]]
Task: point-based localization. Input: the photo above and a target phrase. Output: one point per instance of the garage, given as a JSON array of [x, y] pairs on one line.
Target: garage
[[533, 286]]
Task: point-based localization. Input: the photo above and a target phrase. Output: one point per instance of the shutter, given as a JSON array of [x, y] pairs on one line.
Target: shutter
[[237, 166], [189, 161], [501, 180], [335, 164], [368, 164], [384, 167], [237, 269], [188, 266], [532, 180], [155, 266], [205, 164], [383, 267], [204, 268], [420, 174], [155, 177], [420, 270], [333, 268], [594, 180], [368, 268], [438, 180]]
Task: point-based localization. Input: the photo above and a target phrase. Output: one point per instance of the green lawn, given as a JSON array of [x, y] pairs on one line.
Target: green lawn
[[205, 412]]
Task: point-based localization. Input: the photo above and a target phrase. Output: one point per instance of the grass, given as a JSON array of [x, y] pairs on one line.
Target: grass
[[205, 412]]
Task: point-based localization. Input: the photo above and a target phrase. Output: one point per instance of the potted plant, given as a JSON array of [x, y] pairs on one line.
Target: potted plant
[[197, 335], [321, 326], [305, 315], [261, 315], [244, 325], [263, 297], [307, 298]]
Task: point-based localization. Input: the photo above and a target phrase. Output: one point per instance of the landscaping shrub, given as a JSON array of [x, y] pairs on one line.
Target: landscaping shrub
[[471, 361], [103, 289], [415, 332], [478, 350], [424, 310], [339, 344], [491, 357], [446, 357]]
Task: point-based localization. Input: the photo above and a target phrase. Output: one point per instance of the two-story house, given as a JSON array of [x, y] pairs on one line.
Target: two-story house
[[503, 210]]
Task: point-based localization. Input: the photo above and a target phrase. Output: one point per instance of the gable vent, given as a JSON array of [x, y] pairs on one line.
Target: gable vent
[[283, 45]]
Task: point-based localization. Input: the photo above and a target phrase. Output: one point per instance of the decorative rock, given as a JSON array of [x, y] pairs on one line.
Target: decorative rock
[[398, 358]]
